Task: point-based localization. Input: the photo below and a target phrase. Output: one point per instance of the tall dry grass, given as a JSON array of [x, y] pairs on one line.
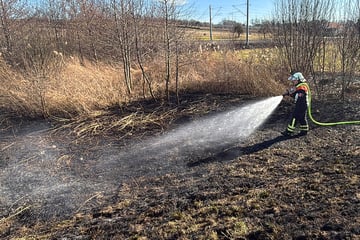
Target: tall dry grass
[[17, 95], [236, 72], [71, 89], [80, 89], [76, 89]]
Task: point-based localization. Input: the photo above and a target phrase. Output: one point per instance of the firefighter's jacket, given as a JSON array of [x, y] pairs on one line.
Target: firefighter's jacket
[[301, 95]]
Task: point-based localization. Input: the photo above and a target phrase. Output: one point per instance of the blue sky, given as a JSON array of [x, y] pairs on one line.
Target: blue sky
[[230, 9]]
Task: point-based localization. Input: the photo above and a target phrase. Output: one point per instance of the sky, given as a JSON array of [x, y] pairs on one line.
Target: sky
[[229, 9]]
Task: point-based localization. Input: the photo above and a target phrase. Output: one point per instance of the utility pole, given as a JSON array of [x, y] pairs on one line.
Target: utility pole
[[247, 23], [211, 38], [247, 20]]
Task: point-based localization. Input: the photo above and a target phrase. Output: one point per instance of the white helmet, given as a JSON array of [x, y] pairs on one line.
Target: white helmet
[[297, 77]]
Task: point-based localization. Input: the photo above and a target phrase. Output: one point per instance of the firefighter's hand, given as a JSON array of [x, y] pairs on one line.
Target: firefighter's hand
[[287, 93]]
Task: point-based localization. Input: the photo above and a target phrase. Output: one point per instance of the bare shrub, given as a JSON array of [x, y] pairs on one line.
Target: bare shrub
[[300, 30]]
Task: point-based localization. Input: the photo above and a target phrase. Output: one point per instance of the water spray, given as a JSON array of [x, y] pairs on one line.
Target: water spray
[[39, 177], [212, 132]]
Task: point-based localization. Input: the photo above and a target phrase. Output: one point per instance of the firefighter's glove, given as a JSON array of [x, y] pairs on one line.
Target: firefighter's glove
[[287, 93]]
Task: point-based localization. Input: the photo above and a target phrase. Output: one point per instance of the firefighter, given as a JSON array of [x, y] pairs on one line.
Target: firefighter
[[298, 117]]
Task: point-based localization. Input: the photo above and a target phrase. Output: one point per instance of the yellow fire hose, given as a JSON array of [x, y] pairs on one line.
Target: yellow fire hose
[[327, 123]]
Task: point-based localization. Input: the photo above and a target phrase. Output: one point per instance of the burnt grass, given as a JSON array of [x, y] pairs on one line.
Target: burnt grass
[[266, 187]]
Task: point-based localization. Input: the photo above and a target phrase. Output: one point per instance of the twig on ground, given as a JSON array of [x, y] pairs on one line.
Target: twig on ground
[[18, 211]]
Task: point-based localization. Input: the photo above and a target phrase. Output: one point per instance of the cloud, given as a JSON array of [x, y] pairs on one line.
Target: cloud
[[180, 2]]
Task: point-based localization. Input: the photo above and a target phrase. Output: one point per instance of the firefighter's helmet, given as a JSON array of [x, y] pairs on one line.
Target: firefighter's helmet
[[297, 76]]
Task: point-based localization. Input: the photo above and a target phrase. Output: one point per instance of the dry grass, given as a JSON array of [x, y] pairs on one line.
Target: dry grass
[[249, 72], [83, 89], [15, 92], [220, 34], [82, 98], [75, 90]]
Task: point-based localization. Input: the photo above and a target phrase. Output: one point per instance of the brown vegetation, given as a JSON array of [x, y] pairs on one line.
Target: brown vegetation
[[76, 89], [88, 80]]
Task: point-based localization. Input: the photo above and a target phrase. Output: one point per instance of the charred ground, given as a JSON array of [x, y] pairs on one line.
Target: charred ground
[[267, 187]]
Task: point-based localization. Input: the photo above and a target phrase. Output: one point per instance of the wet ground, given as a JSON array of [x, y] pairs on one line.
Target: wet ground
[[54, 186]]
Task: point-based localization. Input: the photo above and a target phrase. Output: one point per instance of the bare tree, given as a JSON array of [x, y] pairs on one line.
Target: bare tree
[[122, 12], [348, 44], [168, 6], [238, 29], [5, 24], [301, 26], [54, 11], [169, 12], [265, 28], [141, 50], [10, 12], [90, 19]]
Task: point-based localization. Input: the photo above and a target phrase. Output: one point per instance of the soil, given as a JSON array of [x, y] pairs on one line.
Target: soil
[[55, 185]]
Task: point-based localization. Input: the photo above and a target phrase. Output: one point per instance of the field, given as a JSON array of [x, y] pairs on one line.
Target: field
[[82, 159], [265, 187], [219, 34]]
